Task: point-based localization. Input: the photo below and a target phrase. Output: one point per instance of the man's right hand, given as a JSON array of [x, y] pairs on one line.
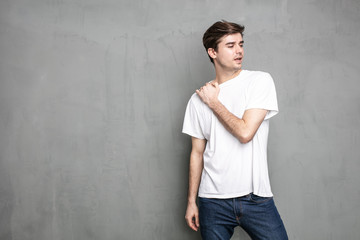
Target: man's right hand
[[192, 216]]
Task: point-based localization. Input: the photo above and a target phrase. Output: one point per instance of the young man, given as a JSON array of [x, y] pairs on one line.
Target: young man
[[228, 120]]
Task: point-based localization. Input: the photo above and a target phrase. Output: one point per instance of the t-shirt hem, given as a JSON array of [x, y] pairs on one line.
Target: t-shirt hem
[[263, 194], [224, 196], [271, 111], [193, 134], [271, 114], [233, 195]]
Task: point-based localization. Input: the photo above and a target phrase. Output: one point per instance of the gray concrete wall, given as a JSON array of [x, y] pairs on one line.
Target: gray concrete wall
[[92, 98]]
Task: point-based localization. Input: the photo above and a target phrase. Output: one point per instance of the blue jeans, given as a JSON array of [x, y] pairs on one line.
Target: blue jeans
[[258, 216]]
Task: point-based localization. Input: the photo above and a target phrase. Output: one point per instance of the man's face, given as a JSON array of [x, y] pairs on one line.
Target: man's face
[[229, 53]]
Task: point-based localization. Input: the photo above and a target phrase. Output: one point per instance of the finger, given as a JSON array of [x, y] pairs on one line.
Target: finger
[[216, 84], [191, 224], [193, 227], [197, 221], [199, 92], [188, 221]]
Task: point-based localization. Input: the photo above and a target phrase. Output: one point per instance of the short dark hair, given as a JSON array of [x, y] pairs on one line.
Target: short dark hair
[[218, 30]]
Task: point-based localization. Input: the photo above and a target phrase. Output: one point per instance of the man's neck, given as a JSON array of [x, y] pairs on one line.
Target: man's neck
[[223, 76]]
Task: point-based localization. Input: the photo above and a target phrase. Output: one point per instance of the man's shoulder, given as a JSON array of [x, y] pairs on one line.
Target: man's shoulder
[[257, 73], [194, 97], [259, 78], [195, 100]]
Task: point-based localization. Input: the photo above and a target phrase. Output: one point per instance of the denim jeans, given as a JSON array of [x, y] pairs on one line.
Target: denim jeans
[[257, 215]]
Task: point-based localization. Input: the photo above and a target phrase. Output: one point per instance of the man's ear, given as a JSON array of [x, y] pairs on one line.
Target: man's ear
[[211, 52]]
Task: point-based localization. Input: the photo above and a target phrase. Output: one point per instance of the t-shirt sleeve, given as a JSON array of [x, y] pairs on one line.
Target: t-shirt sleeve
[[191, 124], [262, 94]]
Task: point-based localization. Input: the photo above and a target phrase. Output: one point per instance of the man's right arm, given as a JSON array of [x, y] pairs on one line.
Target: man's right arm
[[195, 170]]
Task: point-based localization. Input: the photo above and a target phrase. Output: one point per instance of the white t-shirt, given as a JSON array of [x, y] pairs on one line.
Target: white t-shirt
[[232, 169]]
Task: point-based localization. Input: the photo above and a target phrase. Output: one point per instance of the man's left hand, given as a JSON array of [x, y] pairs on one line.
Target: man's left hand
[[209, 93]]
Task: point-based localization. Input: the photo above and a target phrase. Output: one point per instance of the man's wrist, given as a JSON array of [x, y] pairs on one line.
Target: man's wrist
[[192, 200], [214, 104]]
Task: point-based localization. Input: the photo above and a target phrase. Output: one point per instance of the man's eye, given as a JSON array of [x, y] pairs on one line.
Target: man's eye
[[230, 46]]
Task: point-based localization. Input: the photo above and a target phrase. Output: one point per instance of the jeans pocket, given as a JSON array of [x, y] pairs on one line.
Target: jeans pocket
[[258, 199]]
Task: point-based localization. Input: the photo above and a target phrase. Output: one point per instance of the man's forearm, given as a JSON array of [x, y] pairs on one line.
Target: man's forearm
[[195, 170], [236, 126]]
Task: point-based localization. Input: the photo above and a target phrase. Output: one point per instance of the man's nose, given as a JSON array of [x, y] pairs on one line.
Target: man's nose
[[237, 48]]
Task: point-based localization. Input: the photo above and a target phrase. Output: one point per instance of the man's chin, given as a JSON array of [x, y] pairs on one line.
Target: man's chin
[[237, 68]]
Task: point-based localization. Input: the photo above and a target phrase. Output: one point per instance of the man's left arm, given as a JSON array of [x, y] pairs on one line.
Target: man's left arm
[[243, 128]]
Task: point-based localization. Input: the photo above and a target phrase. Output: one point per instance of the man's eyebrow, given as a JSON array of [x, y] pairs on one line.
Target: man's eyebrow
[[232, 43]]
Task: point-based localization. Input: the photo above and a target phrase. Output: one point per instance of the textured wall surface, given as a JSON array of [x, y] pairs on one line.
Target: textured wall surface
[[92, 98]]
